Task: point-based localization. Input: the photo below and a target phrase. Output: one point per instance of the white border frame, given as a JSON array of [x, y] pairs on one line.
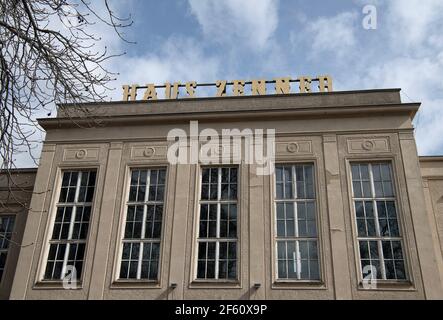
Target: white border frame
[[51, 219], [320, 245], [122, 224], [196, 214], [400, 218]]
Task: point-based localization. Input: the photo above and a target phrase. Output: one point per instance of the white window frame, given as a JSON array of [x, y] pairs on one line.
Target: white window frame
[[296, 238], [141, 241], [70, 241], [217, 239], [378, 238], [3, 237]]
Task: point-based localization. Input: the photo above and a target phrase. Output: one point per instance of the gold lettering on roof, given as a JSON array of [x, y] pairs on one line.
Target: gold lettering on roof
[[167, 90], [221, 85], [125, 92], [150, 93], [171, 92], [258, 87], [130, 92], [236, 88], [190, 88], [325, 83], [305, 84], [282, 85]]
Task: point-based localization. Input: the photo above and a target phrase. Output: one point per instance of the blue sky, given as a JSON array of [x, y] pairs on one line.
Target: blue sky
[[207, 40]]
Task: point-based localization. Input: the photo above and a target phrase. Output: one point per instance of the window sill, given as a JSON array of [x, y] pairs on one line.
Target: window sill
[[135, 284], [56, 285], [299, 284], [215, 284], [389, 285]]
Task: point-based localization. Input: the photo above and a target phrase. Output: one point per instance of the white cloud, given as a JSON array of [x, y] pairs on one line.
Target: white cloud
[[413, 61], [405, 51], [415, 22], [410, 56], [429, 129], [333, 34], [234, 22], [416, 76], [179, 59], [420, 81]]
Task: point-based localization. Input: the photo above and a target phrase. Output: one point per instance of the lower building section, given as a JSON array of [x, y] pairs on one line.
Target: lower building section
[[223, 232], [342, 209]]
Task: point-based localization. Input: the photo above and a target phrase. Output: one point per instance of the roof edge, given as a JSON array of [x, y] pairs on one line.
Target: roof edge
[[19, 170], [229, 97], [430, 158], [409, 108]]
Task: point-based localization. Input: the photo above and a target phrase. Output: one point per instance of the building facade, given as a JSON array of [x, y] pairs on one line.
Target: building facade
[[348, 201]]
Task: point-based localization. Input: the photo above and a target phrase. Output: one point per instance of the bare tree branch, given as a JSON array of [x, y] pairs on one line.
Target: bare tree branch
[[48, 56]]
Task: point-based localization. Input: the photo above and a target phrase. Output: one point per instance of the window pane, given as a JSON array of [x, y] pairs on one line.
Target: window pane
[[140, 260], [233, 191], [298, 260], [387, 226], [6, 229], [355, 170], [359, 209], [309, 180], [364, 171], [282, 269], [76, 257], [213, 191], [393, 257], [225, 191], [387, 219], [309, 260], [228, 258], [295, 219], [386, 172], [388, 190], [281, 228], [153, 270], [130, 257], [371, 268], [376, 219], [365, 218], [400, 269], [217, 223], [306, 219], [356, 185], [281, 250], [211, 250], [232, 225], [55, 261], [205, 175], [225, 175], [279, 190], [71, 224], [210, 269], [364, 249], [150, 257]]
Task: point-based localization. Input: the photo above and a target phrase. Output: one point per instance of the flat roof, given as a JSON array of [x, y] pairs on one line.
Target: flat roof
[[19, 170], [272, 106], [430, 158], [92, 103]]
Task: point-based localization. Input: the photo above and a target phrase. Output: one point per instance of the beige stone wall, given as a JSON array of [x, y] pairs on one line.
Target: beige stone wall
[[378, 131], [16, 189], [432, 172]]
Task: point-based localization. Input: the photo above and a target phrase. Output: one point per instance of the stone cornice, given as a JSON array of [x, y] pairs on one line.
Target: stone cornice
[[230, 115]]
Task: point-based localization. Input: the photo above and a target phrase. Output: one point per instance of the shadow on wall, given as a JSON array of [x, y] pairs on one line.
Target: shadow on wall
[[246, 296]]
